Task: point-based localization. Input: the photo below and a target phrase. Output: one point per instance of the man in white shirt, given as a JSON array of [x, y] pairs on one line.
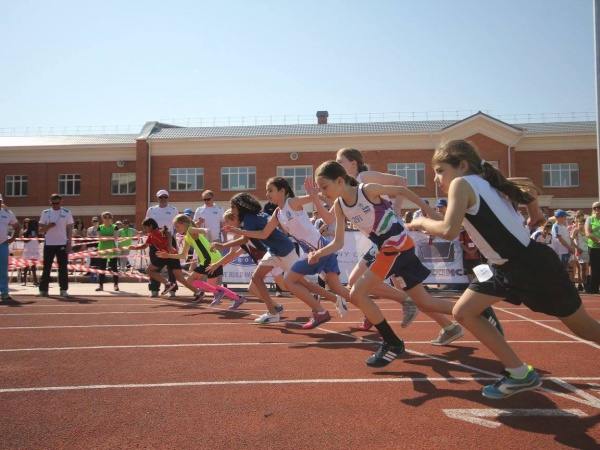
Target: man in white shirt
[[57, 225], [7, 218], [563, 242], [210, 216], [164, 214]]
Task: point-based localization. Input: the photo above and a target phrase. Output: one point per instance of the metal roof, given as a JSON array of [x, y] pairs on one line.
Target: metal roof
[[65, 141]]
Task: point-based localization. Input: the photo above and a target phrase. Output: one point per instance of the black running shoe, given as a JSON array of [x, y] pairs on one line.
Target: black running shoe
[[385, 355], [489, 315]]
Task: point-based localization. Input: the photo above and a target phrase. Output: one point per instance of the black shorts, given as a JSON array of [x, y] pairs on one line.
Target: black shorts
[[468, 265], [202, 271], [536, 279], [404, 264], [170, 263]]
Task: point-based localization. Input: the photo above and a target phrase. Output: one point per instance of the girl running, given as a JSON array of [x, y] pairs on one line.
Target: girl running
[[194, 238], [290, 215], [159, 238], [280, 250], [520, 270], [254, 248], [367, 209]]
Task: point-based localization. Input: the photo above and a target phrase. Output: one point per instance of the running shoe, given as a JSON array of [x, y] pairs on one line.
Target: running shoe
[[341, 306], [64, 294], [365, 325], [153, 294], [218, 296], [239, 302], [317, 319], [509, 385], [279, 309], [169, 286], [447, 336], [489, 315], [409, 312], [172, 293], [385, 355], [42, 294], [198, 296], [7, 298], [267, 318]]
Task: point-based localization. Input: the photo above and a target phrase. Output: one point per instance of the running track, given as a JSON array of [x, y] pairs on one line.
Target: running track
[[134, 372]]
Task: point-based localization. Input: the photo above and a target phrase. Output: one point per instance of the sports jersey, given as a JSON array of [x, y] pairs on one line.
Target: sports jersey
[[202, 248], [57, 235], [562, 231], [163, 216], [538, 236], [378, 222], [277, 243], [493, 223], [105, 244], [298, 225], [158, 240]]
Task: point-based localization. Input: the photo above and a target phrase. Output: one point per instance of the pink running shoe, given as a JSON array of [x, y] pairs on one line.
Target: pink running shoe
[[365, 325]]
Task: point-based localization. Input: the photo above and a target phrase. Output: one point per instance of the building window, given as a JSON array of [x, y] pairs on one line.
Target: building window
[[413, 172], [15, 186], [122, 184], [69, 184], [238, 178], [560, 175], [295, 175], [186, 179]]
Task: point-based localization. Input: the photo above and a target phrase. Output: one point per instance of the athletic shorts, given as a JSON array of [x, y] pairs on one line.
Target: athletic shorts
[[403, 264], [284, 263], [468, 265], [325, 264], [536, 279], [170, 263], [201, 269]]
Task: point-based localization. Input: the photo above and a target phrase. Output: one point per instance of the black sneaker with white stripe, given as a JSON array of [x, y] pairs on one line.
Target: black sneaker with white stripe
[[385, 355]]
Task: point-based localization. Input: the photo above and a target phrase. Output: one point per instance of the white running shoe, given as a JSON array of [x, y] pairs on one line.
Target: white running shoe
[[341, 306], [267, 318]]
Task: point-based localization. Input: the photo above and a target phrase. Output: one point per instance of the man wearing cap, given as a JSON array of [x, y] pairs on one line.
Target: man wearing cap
[[420, 212], [563, 243], [57, 225], [441, 206], [189, 212], [210, 216], [164, 214], [7, 218]]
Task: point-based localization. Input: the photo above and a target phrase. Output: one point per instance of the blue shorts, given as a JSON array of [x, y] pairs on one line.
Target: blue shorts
[[325, 264]]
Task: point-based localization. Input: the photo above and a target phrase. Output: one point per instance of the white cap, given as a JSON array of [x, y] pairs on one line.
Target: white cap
[[162, 192]]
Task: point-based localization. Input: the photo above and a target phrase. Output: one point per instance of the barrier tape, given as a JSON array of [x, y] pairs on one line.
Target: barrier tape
[[82, 268]]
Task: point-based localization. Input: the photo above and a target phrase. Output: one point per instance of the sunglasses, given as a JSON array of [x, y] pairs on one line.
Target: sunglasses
[[207, 199], [596, 207], [107, 217], [125, 223], [162, 197], [56, 203]]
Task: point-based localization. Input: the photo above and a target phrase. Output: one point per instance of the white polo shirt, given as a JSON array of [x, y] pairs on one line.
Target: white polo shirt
[[6, 218], [63, 218], [213, 219], [163, 216]]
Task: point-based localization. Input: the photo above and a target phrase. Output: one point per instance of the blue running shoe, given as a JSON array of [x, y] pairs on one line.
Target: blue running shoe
[[279, 309], [508, 385], [237, 303], [218, 296]]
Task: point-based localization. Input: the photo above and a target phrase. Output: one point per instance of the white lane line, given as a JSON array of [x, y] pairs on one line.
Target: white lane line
[[556, 330], [253, 382], [250, 344]]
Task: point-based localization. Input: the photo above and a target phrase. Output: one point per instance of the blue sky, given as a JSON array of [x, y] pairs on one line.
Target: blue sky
[[73, 63]]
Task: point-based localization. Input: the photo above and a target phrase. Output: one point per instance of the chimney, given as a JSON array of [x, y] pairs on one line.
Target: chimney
[[322, 117]]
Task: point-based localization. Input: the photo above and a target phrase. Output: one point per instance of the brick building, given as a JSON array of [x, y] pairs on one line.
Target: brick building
[[122, 172]]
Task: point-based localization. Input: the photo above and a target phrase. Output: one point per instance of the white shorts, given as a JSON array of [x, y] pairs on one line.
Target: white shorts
[[279, 263]]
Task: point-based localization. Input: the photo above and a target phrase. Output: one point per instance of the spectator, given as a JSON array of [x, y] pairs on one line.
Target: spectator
[[544, 234], [7, 218], [592, 231], [57, 225], [163, 214], [126, 234], [106, 231], [563, 245], [582, 255], [419, 212], [189, 212], [92, 234], [441, 206], [31, 250], [210, 216]]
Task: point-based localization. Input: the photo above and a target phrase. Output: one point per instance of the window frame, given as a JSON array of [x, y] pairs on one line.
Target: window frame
[[226, 172], [76, 181], [198, 172], [22, 182], [120, 183], [418, 169], [556, 169], [294, 179]]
